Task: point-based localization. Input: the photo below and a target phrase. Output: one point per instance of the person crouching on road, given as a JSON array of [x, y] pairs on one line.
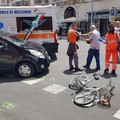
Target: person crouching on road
[[112, 39], [94, 48], [72, 48]]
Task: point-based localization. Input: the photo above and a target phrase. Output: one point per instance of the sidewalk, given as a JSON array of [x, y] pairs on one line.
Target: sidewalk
[[83, 38]]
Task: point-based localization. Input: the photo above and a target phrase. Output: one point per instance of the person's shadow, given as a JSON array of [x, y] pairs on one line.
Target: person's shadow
[[89, 70], [12, 77], [72, 72]]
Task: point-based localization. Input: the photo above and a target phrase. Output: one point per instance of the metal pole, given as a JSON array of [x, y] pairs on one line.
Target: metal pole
[[8, 2], [91, 12], [23, 2], [32, 2]]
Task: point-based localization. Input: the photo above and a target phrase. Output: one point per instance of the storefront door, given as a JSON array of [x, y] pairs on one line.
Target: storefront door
[[103, 26]]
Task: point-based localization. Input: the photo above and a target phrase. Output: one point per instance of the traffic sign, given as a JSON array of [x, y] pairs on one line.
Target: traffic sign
[[112, 12]]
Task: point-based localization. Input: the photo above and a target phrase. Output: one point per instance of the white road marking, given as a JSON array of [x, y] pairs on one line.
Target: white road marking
[[61, 68], [117, 114], [52, 79], [55, 89], [33, 80], [53, 63]]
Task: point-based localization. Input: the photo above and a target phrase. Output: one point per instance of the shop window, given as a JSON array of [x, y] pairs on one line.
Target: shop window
[[22, 3], [69, 12], [42, 1]]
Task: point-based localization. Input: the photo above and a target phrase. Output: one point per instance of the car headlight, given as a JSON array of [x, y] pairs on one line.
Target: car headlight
[[37, 54]]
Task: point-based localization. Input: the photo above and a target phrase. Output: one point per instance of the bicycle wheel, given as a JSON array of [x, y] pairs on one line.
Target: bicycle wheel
[[84, 98], [77, 83], [74, 85]]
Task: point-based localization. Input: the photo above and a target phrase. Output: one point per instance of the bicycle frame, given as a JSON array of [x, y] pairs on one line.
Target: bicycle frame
[[82, 85], [96, 91]]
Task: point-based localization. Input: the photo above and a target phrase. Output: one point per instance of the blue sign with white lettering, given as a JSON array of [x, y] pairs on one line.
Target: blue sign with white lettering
[[112, 12], [1, 25], [15, 11]]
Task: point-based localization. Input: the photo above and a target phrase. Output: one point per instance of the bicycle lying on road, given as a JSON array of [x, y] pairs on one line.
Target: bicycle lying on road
[[80, 83], [87, 95]]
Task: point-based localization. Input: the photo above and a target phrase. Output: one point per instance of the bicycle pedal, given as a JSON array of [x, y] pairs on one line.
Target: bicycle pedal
[[112, 94]]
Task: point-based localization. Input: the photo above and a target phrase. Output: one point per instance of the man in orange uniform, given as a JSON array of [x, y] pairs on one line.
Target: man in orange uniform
[[112, 39], [72, 48]]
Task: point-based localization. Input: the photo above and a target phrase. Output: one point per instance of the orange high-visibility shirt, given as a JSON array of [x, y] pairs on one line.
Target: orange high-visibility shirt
[[72, 36], [112, 41]]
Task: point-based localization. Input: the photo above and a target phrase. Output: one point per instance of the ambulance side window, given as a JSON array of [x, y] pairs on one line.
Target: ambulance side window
[[24, 23]]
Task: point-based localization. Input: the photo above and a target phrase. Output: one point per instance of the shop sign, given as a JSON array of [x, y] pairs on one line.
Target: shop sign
[[101, 16]]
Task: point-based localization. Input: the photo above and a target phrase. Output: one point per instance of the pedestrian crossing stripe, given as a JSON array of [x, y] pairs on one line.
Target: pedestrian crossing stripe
[[33, 80], [55, 89], [117, 114]]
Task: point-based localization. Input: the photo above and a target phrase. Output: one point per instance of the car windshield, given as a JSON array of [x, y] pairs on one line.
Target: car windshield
[[15, 40]]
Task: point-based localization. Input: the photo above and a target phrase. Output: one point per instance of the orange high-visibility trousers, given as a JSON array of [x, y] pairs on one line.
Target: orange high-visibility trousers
[[114, 54]]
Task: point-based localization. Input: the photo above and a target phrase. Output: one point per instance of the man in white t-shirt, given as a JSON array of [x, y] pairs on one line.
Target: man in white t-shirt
[[94, 48], [117, 29]]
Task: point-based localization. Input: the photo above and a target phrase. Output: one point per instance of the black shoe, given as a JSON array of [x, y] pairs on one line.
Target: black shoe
[[71, 68], [78, 69], [113, 72], [97, 68], [85, 66], [118, 60], [106, 70]]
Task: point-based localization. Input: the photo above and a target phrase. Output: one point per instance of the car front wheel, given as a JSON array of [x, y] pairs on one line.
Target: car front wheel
[[25, 70]]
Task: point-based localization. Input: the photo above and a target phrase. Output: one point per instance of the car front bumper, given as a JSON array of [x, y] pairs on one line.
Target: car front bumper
[[42, 65]]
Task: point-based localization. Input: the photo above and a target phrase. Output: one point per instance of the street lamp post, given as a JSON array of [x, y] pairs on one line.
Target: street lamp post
[[8, 2], [91, 12], [23, 2], [32, 2]]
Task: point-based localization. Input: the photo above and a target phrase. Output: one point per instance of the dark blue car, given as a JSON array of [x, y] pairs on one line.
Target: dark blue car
[[23, 58]]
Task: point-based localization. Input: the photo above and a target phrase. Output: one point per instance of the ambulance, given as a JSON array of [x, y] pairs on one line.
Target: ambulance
[[32, 23]]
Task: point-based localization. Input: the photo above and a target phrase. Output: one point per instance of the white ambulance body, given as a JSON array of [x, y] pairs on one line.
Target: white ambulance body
[[18, 20]]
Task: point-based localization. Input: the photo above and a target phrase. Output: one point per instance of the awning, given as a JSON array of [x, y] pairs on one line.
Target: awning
[[71, 19]]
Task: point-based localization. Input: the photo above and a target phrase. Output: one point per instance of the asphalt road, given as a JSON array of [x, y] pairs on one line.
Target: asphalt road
[[47, 96]]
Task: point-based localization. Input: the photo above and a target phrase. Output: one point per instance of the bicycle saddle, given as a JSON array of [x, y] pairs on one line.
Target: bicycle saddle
[[95, 76]]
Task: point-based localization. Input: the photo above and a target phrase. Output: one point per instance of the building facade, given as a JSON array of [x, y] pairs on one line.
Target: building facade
[[81, 10], [24, 2]]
